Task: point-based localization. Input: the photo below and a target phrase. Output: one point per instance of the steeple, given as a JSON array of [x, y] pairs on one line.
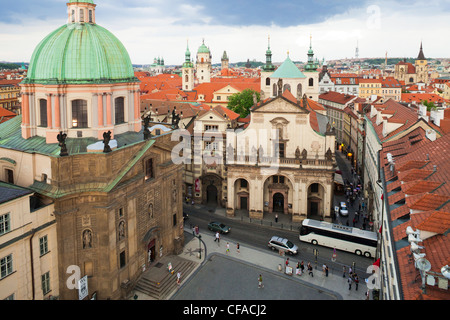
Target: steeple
[[421, 55], [311, 66], [268, 66], [187, 58]]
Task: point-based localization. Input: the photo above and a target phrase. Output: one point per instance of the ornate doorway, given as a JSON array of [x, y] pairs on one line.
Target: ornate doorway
[[211, 195], [278, 202]]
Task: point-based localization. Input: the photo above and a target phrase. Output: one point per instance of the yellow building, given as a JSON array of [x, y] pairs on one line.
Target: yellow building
[[10, 95], [369, 87], [28, 245]]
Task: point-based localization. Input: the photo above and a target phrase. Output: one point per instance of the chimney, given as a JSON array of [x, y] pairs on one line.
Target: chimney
[[431, 134]]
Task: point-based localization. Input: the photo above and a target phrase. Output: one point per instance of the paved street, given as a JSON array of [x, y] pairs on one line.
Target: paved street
[[233, 275]]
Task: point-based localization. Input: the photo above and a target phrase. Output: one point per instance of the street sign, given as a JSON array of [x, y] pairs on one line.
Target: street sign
[[83, 288]]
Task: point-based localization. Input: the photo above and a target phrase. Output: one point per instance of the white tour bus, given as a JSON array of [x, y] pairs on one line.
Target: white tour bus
[[339, 237]]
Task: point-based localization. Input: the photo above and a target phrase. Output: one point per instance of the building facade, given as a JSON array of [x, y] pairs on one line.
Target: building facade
[[279, 163], [28, 245], [116, 192]]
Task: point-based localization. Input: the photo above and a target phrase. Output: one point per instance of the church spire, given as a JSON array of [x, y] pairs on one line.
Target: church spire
[[268, 66], [421, 55]]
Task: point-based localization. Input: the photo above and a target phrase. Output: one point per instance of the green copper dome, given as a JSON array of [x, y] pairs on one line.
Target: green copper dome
[[80, 53], [203, 48]]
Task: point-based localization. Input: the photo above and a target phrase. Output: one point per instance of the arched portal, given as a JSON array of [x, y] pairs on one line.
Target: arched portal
[[278, 202], [242, 194], [277, 194], [211, 195], [316, 197]]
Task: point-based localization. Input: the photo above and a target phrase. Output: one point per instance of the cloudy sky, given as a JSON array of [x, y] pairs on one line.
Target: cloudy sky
[[152, 28]]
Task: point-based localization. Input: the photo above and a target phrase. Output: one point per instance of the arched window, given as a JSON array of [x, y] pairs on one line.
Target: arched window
[[267, 81], [275, 90], [311, 82], [43, 112], [79, 114], [287, 87], [90, 16], [299, 90], [81, 15], [186, 78], [119, 110], [73, 15]]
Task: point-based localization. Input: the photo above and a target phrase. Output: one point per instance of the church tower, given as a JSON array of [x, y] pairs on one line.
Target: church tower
[[204, 67], [312, 75], [188, 72], [267, 70], [421, 67], [225, 61]]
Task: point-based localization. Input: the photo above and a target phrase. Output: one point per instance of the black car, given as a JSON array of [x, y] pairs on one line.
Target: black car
[[220, 227]]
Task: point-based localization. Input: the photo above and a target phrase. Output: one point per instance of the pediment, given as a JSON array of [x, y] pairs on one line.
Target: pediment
[[280, 105]]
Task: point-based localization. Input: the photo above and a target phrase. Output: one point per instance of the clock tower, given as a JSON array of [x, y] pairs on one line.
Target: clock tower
[[188, 72]]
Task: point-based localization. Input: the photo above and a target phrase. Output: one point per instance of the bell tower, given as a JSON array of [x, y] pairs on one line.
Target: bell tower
[[187, 71], [421, 65]]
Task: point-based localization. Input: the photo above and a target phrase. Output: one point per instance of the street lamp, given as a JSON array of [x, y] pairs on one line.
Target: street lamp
[[199, 246]]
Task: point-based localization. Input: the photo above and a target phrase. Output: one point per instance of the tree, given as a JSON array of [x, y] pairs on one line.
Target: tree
[[430, 105], [242, 102]]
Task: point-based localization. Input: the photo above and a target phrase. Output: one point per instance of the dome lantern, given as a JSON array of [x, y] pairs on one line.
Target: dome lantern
[[81, 11]]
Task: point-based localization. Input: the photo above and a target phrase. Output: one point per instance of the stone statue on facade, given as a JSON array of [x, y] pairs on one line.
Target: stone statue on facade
[[62, 143], [280, 87], [297, 153], [147, 133], [304, 154], [106, 140], [87, 239], [175, 119]]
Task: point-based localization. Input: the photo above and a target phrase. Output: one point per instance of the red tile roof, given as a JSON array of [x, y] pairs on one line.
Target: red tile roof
[[337, 97]]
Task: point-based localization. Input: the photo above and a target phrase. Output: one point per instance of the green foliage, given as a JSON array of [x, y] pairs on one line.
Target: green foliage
[[9, 66], [242, 102], [430, 105]]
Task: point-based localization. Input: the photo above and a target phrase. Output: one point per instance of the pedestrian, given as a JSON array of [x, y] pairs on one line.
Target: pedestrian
[[356, 280], [350, 271], [354, 221], [276, 217], [260, 285], [302, 268], [343, 270], [364, 226], [193, 231], [367, 294], [217, 237], [349, 281], [310, 269], [197, 230], [326, 271], [323, 269], [228, 248], [178, 278], [287, 262], [238, 248]]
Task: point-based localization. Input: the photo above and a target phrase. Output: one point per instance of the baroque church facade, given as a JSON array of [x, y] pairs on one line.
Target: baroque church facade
[[279, 163], [79, 145]]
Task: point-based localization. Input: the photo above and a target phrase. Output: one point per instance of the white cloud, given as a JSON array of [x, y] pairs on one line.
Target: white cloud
[[157, 29]]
